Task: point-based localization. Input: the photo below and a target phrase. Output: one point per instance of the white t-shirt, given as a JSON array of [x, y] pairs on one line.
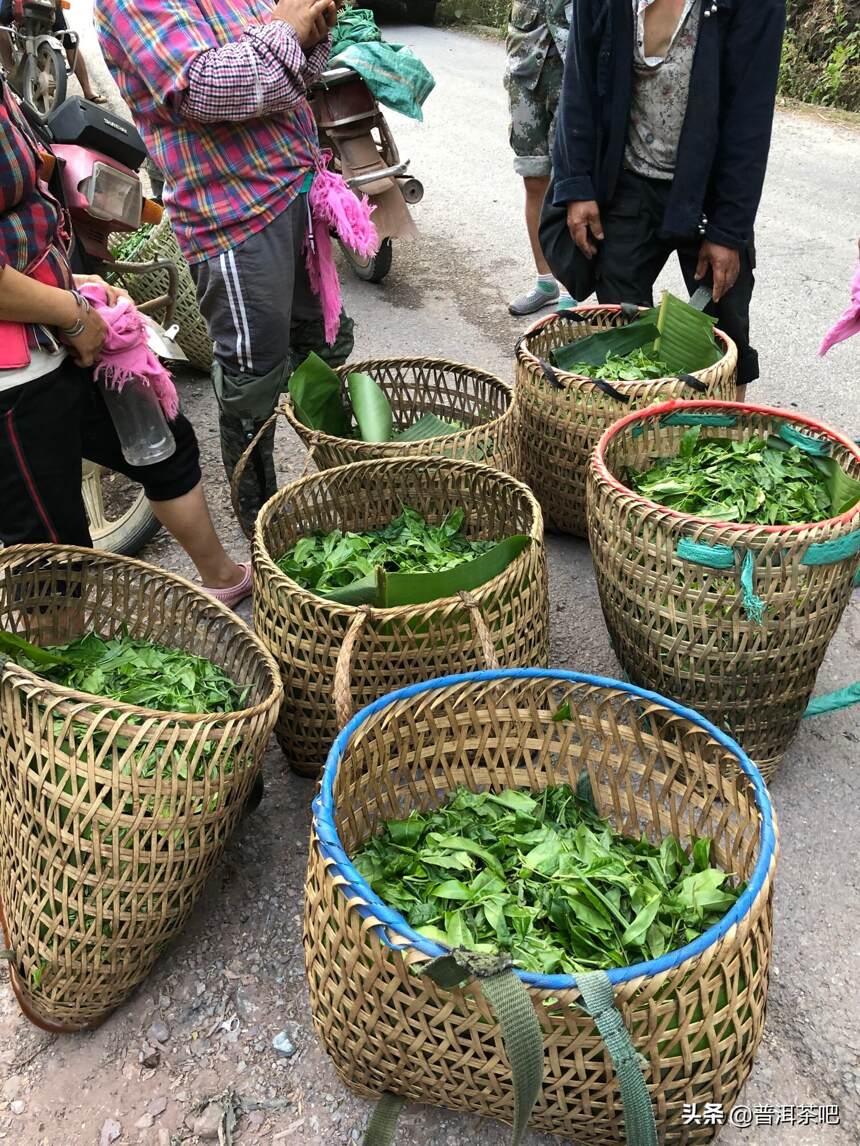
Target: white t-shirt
[[42, 362]]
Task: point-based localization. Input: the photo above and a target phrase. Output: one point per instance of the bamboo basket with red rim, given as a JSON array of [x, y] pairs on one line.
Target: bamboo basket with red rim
[[561, 415], [731, 619]]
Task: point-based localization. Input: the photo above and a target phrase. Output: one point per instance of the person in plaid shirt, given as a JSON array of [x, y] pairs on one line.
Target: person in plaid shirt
[[218, 91], [52, 414]]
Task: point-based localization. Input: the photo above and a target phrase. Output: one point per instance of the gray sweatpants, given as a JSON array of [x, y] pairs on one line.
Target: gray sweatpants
[[264, 320]]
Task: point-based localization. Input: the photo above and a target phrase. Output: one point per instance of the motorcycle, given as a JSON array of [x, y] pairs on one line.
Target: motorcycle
[[91, 162], [41, 52], [353, 128]]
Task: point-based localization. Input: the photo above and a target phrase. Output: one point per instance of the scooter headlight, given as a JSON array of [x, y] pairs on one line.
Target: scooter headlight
[[113, 195]]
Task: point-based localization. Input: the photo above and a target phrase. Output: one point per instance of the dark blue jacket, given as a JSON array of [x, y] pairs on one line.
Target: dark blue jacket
[[722, 154]]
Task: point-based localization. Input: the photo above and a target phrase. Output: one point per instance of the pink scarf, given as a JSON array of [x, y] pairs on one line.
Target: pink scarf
[[125, 353], [849, 323], [334, 207]]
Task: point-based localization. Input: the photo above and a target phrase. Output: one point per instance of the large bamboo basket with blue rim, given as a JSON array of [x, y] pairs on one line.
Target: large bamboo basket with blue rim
[[112, 816], [483, 403], [561, 416], [335, 658], [732, 619], [520, 1046]]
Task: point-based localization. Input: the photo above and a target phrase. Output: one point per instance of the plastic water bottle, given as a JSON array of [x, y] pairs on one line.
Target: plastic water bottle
[[144, 435]]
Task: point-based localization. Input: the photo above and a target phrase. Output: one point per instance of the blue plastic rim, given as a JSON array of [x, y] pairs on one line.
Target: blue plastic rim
[[370, 905]]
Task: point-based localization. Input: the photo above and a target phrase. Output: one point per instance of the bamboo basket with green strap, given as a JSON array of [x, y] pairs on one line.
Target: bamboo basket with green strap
[[159, 242], [112, 816], [732, 619], [336, 657], [415, 387], [561, 415], [603, 1058]]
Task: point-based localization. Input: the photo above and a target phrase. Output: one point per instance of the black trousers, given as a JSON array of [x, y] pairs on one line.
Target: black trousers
[[46, 428], [635, 249]]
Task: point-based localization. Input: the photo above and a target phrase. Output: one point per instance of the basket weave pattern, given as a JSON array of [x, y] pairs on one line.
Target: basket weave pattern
[[417, 386], [103, 850], [193, 334], [681, 628], [560, 428], [394, 646], [697, 1024]]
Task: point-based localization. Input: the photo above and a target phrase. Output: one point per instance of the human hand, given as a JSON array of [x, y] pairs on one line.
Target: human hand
[[310, 19], [583, 217], [113, 293], [86, 345], [724, 264]]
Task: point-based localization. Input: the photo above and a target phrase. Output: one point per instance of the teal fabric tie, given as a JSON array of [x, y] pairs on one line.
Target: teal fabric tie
[[724, 557], [812, 446]]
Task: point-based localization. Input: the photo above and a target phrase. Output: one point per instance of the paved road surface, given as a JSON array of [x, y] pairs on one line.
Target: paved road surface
[[447, 296]]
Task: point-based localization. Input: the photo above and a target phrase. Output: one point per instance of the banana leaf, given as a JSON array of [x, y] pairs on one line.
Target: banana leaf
[[14, 645], [371, 408], [596, 348], [387, 590], [844, 489], [315, 390], [686, 340], [428, 426]]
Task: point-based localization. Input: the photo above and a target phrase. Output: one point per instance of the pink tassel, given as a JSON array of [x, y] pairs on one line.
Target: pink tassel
[[342, 211], [322, 272]]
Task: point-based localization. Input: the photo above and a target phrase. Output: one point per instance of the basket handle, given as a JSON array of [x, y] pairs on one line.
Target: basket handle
[[343, 666], [693, 382]]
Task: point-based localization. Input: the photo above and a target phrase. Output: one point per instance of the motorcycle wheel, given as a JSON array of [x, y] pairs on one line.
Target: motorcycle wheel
[[121, 519], [43, 79], [374, 269]]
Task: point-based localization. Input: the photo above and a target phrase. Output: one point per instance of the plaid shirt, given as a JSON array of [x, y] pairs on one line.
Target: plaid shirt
[[218, 94], [32, 224]]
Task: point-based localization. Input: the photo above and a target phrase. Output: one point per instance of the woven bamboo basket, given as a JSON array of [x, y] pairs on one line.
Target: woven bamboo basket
[[417, 386], [334, 657], [160, 243], [561, 415], [695, 1016], [104, 849], [692, 631]]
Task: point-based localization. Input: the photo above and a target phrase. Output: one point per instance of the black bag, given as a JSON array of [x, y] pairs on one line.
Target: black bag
[[566, 261]]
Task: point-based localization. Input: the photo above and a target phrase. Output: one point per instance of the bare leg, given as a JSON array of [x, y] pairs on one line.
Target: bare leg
[[740, 393], [83, 76], [536, 186], [187, 518]]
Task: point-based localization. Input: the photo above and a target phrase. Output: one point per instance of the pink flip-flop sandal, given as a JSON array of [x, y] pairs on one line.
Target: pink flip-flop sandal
[[233, 594]]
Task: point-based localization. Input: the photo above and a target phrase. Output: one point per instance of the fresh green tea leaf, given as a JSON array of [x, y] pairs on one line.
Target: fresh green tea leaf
[[548, 881]]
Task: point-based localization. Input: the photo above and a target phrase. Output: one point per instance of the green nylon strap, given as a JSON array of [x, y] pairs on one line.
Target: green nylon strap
[[521, 1033], [829, 552], [512, 1006], [834, 701], [599, 1001], [813, 446], [383, 1122], [724, 557]]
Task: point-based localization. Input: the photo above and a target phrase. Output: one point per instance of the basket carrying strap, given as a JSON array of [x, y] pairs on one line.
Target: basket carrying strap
[[512, 1007], [521, 1033], [599, 1001]]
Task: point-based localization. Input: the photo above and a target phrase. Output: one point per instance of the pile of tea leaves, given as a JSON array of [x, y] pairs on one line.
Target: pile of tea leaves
[[637, 366], [545, 879], [408, 544], [132, 671], [753, 481]]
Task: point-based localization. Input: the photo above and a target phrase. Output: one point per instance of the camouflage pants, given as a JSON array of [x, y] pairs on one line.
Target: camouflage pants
[[264, 320], [534, 109]]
